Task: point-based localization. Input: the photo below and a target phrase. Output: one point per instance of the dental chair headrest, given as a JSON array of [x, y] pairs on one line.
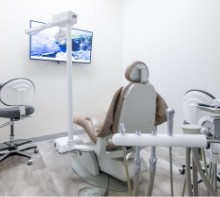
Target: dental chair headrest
[[137, 72]]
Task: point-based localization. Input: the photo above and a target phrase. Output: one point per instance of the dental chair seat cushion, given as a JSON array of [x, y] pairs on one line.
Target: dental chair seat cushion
[[14, 112]]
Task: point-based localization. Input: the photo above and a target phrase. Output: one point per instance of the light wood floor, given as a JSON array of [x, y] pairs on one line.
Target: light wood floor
[[51, 174]]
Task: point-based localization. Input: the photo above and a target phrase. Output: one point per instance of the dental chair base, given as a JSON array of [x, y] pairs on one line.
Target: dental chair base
[[64, 144], [88, 161], [106, 165], [112, 166]]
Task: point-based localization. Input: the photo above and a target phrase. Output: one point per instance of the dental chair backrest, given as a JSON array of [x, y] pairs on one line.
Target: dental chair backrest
[[192, 114], [136, 106]]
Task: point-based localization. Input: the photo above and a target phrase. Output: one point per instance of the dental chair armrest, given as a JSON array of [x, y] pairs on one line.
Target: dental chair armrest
[[106, 149]]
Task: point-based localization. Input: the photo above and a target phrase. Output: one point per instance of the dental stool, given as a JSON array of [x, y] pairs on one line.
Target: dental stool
[[197, 115], [192, 114], [17, 95], [135, 107]]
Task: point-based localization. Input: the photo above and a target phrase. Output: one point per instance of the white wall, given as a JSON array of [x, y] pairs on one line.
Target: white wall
[[93, 84], [179, 41]]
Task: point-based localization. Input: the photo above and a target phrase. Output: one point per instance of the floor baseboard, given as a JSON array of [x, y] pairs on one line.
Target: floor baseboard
[[54, 136]]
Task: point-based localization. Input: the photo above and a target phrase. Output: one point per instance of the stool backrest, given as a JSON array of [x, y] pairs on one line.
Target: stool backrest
[[17, 91], [191, 98]]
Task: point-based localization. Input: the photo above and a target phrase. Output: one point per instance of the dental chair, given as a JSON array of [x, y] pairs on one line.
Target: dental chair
[[16, 95], [137, 108]]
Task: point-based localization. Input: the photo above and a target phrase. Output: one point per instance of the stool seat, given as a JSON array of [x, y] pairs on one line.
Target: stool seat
[[14, 112]]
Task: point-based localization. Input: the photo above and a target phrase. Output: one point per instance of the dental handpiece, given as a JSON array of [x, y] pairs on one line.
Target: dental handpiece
[[170, 114]]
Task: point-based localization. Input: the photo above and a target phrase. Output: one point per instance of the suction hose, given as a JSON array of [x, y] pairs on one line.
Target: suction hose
[[153, 161], [199, 168], [170, 115], [188, 172], [137, 169], [126, 171]]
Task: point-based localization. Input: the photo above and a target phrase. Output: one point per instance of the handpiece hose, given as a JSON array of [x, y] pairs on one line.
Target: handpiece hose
[[170, 115]]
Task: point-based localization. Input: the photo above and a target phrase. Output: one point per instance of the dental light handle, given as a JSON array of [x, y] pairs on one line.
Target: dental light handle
[[170, 115]]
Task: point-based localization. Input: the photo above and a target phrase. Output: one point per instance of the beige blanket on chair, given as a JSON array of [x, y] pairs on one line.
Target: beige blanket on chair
[[101, 126]]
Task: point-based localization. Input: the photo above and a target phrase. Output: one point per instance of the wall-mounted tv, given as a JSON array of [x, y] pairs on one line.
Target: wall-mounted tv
[[46, 45]]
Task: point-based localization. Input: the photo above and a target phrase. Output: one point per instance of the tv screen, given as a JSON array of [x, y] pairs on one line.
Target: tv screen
[[47, 45]]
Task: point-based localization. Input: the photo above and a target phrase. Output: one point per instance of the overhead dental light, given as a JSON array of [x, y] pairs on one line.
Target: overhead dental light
[[64, 20]]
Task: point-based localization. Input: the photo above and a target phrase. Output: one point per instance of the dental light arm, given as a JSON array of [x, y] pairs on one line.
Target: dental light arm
[[35, 30], [64, 20], [59, 20]]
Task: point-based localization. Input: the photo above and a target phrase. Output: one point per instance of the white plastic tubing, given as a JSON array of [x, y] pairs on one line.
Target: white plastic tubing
[[176, 140]]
